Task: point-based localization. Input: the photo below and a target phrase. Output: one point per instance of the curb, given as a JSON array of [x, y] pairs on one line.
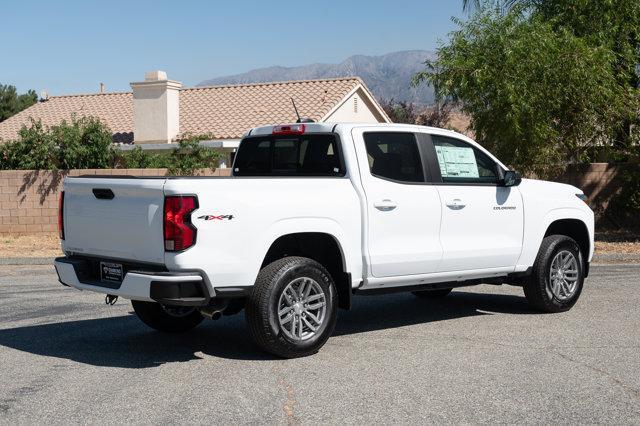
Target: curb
[[616, 257]]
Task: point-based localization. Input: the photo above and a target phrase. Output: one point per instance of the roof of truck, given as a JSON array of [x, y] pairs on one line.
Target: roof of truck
[[327, 127]]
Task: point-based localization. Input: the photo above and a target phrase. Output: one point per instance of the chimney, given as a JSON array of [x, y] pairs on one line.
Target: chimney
[[101, 87], [156, 108]]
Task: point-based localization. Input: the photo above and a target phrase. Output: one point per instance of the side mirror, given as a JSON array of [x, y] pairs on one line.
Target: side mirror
[[511, 178]]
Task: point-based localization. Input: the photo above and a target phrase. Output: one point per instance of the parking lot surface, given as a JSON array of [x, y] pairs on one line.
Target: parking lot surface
[[479, 356]]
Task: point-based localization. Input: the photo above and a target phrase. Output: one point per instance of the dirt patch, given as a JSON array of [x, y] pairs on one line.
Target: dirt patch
[[41, 245]]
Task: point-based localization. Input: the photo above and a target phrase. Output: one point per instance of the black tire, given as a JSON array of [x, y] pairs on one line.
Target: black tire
[[261, 311], [432, 294], [537, 287], [157, 317]]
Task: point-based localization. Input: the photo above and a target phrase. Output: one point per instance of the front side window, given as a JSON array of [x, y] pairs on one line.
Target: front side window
[[304, 155], [462, 162], [394, 156]]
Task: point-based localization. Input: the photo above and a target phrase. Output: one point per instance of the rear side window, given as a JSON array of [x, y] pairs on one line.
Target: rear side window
[[462, 162], [394, 156], [304, 155]]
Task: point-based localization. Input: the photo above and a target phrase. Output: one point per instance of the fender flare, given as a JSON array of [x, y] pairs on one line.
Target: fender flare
[[352, 263], [530, 251]]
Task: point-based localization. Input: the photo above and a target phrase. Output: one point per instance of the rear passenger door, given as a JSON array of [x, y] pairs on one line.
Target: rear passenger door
[[403, 210], [482, 222]]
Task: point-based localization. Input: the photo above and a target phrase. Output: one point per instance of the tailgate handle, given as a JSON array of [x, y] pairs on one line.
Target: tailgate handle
[[103, 193]]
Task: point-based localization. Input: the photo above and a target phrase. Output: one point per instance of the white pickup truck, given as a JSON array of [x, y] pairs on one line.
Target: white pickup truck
[[315, 213]]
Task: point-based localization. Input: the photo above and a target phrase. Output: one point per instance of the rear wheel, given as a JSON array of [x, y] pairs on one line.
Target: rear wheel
[[432, 294], [557, 277], [169, 319], [293, 306]]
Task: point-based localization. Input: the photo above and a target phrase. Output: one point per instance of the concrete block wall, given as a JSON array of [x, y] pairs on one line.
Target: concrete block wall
[[29, 198], [599, 181]]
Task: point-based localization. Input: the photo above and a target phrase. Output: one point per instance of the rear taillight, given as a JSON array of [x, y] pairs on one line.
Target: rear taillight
[[61, 215], [179, 233]]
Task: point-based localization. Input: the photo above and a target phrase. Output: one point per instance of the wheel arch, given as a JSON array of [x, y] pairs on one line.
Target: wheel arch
[[562, 221], [572, 228], [323, 247]]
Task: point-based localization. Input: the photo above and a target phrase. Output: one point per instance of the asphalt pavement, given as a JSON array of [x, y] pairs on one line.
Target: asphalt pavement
[[479, 356]]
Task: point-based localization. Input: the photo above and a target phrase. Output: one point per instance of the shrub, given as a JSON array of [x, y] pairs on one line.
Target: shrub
[[139, 159], [184, 160], [190, 156], [400, 112], [86, 143], [83, 143]]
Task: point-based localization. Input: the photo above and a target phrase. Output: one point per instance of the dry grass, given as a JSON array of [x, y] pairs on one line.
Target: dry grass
[[618, 242], [628, 247], [48, 245], [42, 245]]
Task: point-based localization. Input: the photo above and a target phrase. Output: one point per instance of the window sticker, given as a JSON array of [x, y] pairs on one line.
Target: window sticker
[[457, 162]]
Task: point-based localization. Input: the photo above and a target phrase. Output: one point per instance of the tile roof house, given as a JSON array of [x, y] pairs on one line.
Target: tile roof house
[[159, 111]]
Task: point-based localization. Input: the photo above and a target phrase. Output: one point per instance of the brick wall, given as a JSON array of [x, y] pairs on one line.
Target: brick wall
[[29, 198], [598, 180], [601, 182]]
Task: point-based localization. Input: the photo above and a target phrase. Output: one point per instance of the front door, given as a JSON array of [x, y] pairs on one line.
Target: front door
[[482, 222], [403, 211]]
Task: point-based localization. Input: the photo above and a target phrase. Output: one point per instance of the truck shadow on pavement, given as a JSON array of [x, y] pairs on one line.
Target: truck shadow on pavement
[[124, 342]]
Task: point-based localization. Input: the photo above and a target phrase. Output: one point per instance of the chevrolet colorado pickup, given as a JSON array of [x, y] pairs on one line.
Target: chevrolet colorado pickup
[[315, 213]]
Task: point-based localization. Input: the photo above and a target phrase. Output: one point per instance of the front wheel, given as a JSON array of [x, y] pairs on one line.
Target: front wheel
[[557, 277], [292, 309], [169, 319]]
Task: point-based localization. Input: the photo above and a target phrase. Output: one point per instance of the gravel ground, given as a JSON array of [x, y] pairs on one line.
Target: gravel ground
[[479, 356]]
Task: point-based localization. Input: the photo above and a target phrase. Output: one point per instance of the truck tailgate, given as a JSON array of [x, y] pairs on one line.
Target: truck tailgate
[[119, 218]]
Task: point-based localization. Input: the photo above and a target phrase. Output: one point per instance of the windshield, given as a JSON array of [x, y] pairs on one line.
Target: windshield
[[299, 155]]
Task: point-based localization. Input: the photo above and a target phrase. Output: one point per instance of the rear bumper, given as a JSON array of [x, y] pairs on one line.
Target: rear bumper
[[170, 288]]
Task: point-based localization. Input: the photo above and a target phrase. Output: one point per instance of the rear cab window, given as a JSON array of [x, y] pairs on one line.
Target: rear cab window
[[394, 156], [290, 155]]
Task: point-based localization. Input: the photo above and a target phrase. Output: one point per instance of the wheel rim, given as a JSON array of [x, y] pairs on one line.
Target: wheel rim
[[302, 309], [563, 276], [178, 311]]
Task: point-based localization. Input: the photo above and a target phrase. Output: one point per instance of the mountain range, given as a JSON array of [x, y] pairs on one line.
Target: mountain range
[[387, 76]]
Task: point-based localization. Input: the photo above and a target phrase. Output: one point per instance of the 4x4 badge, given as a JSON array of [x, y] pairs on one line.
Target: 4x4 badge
[[216, 217]]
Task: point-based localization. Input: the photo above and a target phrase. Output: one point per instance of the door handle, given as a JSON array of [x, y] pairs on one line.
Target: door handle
[[385, 205], [456, 204]]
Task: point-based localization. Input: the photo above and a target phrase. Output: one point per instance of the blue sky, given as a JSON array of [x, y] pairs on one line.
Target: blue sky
[[72, 46]]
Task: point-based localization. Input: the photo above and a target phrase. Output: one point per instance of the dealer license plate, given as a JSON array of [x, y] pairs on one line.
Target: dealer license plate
[[111, 272]]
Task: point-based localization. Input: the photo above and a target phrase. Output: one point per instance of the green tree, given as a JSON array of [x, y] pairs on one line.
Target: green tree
[[611, 24], [538, 95], [472, 5], [11, 103]]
